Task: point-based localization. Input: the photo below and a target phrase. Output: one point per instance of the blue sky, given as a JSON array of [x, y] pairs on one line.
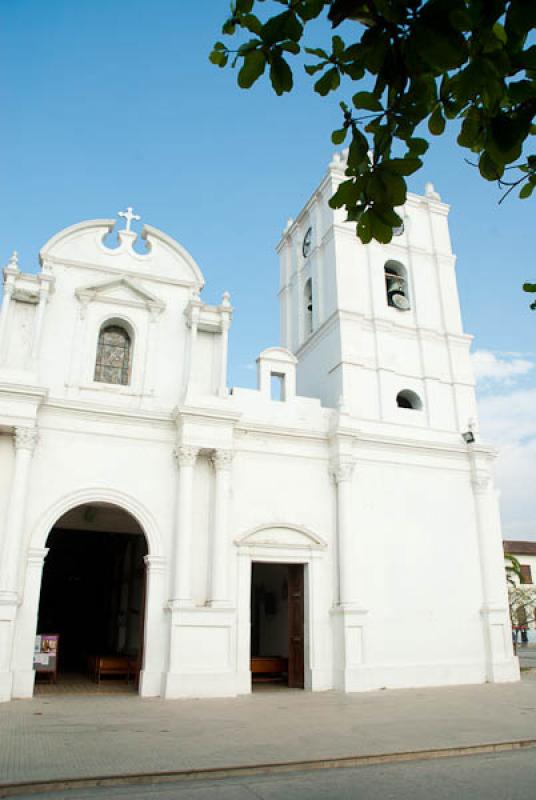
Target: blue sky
[[108, 104]]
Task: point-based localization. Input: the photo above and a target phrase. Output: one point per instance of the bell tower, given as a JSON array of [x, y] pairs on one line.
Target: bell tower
[[376, 329]]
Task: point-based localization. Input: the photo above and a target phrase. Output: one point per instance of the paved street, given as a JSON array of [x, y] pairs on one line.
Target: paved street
[[527, 655], [78, 736], [503, 776]]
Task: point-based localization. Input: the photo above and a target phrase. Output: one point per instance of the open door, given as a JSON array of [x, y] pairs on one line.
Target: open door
[[277, 620], [295, 626]]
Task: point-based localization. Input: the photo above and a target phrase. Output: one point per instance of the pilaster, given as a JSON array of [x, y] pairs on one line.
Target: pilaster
[[156, 627], [222, 461], [25, 440], [348, 616], [193, 313], [185, 457], [501, 664], [225, 314], [342, 469], [27, 613], [45, 284]]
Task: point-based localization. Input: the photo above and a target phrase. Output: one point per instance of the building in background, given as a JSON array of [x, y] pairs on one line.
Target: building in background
[[525, 614], [336, 527]]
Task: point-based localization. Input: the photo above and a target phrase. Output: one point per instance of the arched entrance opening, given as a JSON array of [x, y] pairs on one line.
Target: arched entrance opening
[[93, 600]]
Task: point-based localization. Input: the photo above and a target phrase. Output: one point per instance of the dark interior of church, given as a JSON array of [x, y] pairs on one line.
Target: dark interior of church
[[269, 610], [277, 624], [92, 595]]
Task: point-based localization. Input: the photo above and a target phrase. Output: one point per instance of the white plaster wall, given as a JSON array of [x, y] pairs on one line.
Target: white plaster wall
[[204, 375], [422, 565], [272, 487], [19, 338], [325, 351]]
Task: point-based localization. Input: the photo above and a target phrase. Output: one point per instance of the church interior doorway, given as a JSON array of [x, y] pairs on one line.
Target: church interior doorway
[[277, 624], [93, 599]]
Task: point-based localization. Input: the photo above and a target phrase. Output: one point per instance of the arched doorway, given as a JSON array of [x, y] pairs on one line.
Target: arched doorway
[[93, 599]]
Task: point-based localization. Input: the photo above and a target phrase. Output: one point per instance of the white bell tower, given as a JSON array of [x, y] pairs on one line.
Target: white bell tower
[[376, 329]]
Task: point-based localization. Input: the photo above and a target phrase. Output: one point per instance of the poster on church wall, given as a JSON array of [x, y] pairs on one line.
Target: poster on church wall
[[46, 653]]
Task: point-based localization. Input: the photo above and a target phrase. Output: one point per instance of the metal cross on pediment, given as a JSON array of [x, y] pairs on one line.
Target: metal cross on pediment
[[129, 216]]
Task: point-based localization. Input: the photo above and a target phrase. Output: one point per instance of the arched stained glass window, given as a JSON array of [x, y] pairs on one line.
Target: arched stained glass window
[[113, 355]]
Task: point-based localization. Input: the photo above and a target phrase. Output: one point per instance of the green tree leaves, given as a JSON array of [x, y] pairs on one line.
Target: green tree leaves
[[280, 75], [531, 288], [436, 122], [367, 101], [424, 63], [253, 66]]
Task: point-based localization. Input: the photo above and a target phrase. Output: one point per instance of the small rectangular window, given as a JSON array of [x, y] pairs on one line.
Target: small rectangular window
[[277, 387], [526, 573]]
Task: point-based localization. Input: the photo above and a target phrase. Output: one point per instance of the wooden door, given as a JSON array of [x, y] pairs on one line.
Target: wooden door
[[295, 626]]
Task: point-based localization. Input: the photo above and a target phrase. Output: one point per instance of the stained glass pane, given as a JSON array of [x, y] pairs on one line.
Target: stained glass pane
[[113, 356]]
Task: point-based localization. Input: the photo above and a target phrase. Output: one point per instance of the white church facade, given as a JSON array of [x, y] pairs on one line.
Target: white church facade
[[333, 532]]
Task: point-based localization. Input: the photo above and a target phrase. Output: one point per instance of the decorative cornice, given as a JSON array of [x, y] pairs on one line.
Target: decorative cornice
[[270, 429], [120, 416], [224, 416], [69, 262], [26, 438], [17, 389]]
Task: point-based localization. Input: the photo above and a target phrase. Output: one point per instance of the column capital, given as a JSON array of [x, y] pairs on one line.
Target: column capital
[[26, 438], [342, 469], [222, 459], [481, 482], [185, 455]]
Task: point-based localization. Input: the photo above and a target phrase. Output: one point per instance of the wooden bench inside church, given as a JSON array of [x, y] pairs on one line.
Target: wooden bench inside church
[[116, 666], [267, 669]]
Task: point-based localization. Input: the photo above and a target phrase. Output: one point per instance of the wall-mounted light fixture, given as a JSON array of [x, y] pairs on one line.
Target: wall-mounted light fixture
[[468, 437]]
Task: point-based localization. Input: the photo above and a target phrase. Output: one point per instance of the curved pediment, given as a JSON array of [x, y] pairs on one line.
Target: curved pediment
[[281, 536], [89, 243]]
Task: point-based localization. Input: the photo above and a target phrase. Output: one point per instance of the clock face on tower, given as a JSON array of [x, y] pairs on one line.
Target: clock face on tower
[[307, 242]]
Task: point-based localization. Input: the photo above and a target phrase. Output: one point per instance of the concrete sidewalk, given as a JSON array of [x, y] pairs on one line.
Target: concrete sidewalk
[[86, 736]]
